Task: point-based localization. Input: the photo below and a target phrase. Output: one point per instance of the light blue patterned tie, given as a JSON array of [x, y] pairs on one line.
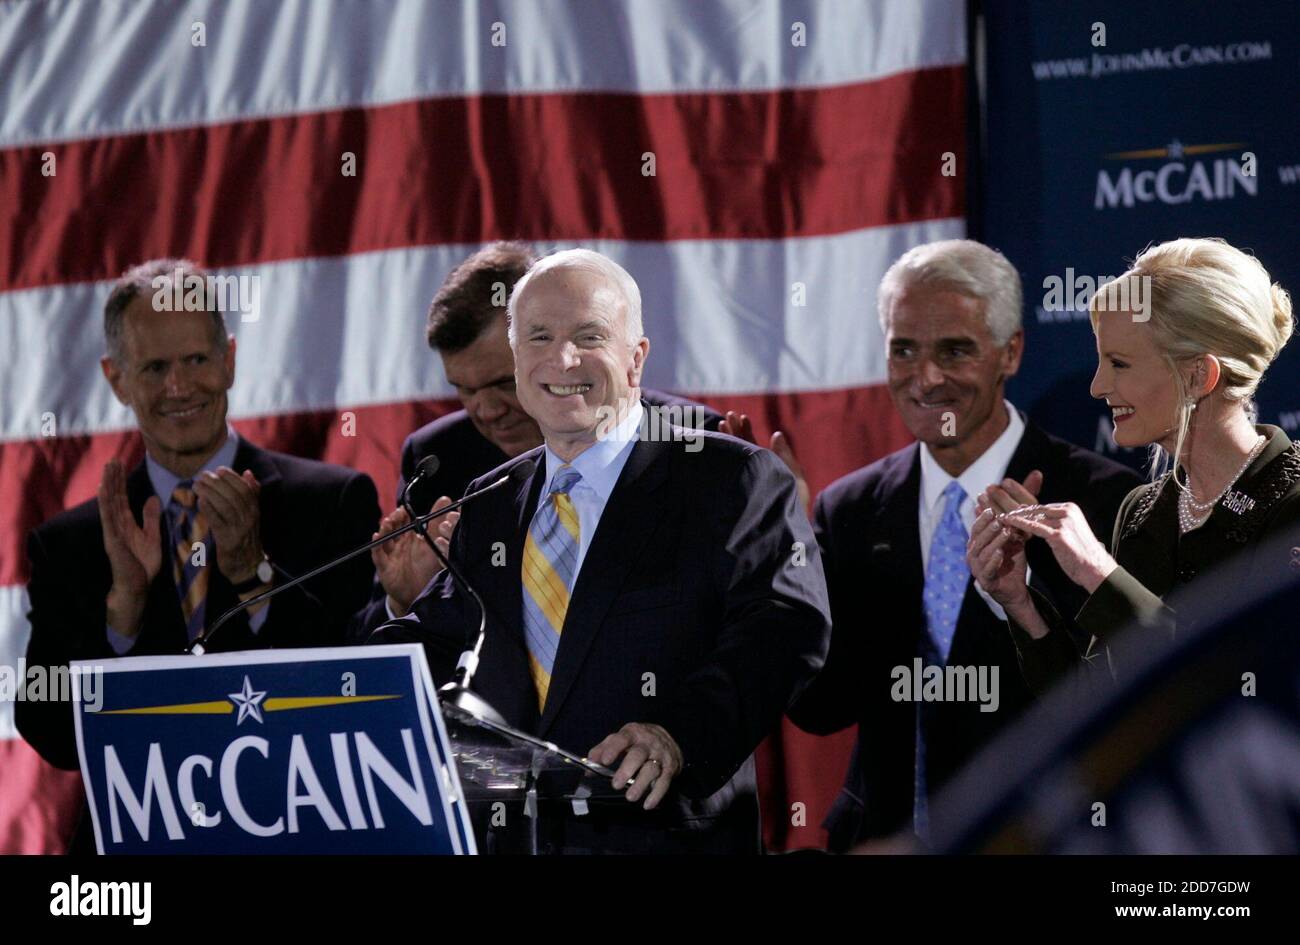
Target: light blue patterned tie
[[946, 573], [946, 576]]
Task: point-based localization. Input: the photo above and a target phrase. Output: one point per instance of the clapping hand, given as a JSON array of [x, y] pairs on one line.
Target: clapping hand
[[995, 553], [1063, 526], [134, 551], [229, 502], [406, 564]]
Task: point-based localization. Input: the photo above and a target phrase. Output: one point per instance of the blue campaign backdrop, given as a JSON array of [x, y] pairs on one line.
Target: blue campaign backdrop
[[307, 751], [1091, 152]]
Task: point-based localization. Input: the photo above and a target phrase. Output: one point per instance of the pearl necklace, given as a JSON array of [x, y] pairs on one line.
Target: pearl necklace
[[1191, 513]]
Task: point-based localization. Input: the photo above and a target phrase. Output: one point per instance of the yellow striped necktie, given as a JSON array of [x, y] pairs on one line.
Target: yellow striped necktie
[[191, 578], [549, 568]]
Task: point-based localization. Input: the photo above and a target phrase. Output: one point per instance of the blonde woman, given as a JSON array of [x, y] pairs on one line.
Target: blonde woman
[[1178, 374]]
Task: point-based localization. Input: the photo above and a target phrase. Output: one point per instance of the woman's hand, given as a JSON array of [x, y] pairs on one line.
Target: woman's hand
[[1008, 495], [1062, 525], [996, 558]]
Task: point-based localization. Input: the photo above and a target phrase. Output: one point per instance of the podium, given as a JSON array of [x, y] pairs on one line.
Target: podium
[[320, 751], [498, 764]]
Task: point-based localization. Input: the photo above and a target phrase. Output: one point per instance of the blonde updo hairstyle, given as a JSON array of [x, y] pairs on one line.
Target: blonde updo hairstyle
[[1206, 297]]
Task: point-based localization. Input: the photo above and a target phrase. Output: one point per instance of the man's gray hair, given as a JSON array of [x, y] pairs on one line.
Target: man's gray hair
[[963, 266], [147, 279], [584, 260]]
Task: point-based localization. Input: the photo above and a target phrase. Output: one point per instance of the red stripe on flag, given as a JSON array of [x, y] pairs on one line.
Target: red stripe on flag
[[40, 805], [737, 165]]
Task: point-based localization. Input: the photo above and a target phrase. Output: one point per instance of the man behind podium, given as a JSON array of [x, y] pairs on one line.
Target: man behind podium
[[205, 520], [467, 327], [653, 605]]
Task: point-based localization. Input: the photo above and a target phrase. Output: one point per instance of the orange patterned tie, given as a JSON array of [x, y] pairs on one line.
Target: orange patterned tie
[[190, 530]]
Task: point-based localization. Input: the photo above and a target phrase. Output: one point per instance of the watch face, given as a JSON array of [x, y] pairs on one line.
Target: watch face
[[264, 571]]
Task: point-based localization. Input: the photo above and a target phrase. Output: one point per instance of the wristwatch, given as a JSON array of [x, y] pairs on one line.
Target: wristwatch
[[262, 576]]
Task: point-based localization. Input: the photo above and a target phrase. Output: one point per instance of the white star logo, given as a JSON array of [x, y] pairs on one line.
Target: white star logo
[[1175, 149], [249, 703]]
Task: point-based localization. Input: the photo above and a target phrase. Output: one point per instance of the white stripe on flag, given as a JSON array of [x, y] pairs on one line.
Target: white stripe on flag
[[722, 317], [14, 632], [263, 59]]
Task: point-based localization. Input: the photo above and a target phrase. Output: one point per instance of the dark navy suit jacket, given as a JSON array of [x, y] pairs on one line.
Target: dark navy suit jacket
[[704, 574], [870, 540]]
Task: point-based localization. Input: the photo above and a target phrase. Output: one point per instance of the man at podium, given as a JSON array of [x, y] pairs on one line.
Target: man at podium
[[654, 596]]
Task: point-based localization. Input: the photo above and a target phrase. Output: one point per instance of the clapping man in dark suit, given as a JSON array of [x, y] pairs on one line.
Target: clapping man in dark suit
[[893, 538], [653, 605], [205, 520], [467, 328]]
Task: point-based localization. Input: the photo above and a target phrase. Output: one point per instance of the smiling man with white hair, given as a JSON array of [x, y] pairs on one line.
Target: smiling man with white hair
[[654, 608], [467, 326], [893, 538]]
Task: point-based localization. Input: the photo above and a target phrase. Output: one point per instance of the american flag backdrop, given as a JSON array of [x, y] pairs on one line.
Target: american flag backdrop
[[755, 164]]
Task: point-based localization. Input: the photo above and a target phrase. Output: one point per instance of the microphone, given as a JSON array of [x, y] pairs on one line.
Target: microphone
[[426, 467], [200, 643], [423, 469]]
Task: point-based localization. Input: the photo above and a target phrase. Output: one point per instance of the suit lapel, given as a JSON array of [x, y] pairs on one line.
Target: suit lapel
[[258, 461], [1032, 452], [902, 502], [512, 590], [629, 519], [898, 557]]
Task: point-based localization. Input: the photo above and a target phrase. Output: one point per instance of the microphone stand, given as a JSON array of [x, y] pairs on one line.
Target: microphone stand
[[457, 692]]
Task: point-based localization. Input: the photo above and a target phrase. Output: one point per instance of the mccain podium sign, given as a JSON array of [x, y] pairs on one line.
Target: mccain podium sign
[[305, 751]]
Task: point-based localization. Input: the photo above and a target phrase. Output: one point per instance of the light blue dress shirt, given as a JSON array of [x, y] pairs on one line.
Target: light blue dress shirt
[[600, 465]]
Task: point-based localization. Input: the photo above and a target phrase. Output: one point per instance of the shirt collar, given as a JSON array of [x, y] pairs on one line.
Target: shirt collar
[[601, 463], [991, 466], [165, 481]]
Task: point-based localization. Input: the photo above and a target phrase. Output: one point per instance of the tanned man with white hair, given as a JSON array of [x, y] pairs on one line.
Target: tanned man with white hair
[[908, 620]]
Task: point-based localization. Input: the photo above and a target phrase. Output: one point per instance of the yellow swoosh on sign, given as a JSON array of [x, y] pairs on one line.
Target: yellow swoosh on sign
[[311, 702], [1163, 152], [279, 704], [184, 708]]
